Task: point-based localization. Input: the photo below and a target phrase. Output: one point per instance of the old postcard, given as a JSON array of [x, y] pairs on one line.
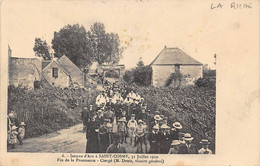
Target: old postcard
[[130, 82]]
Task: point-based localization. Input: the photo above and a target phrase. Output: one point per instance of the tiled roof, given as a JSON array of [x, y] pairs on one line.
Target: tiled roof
[[172, 56]]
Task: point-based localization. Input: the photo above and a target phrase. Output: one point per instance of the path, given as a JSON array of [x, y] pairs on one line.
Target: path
[[70, 140]]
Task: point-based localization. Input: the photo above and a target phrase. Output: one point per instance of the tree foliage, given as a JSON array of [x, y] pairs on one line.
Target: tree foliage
[[71, 41], [105, 47], [84, 47], [42, 49], [141, 75]]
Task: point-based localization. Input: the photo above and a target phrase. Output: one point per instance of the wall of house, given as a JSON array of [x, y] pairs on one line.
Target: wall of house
[[162, 72], [24, 71], [77, 76], [195, 71], [61, 81]]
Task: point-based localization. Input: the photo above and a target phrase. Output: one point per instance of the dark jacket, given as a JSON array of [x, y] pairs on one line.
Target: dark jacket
[[92, 137], [165, 143], [183, 149], [154, 143]]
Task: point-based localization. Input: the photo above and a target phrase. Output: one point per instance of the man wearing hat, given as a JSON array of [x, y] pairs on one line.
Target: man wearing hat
[[109, 114], [156, 121], [181, 138], [164, 139], [100, 117], [92, 135], [174, 147], [205, 147], [103, 135], [132, 125], [142, 115], [139, 133], [116, 147], [188, 147], [176, 130], [153, 139], [121, 129]]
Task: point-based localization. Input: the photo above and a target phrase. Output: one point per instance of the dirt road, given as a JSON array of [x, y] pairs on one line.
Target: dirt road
[[71, 140]]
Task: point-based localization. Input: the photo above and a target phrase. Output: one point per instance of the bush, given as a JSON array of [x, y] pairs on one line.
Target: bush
[[141, 75], [206, 82], [194, 107], [48, 109]]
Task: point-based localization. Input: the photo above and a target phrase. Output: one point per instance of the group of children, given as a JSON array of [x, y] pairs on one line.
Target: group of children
[[15, 134]]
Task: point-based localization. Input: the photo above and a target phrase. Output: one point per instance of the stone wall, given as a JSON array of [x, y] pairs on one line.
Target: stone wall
[[194, 71], [161, 73], [24, 71], [61, 81]]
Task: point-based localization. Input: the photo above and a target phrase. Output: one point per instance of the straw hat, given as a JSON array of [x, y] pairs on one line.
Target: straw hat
[[157, 117], [175, 142], [22, 124], [187, 137], [140, 121], [156, 127], [133, 115], [204, 142], [14, 127], [99, 111], [109, 125], [164, 126], [177, 125], [11, 115]]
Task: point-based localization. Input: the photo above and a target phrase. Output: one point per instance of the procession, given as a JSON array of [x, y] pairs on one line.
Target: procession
[[120, 117]]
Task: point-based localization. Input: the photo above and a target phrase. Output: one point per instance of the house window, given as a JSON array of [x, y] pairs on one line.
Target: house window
[[55, 72], [177, 68]]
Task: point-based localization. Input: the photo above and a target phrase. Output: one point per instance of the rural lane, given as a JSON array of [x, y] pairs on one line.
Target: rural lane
[[71, 140]]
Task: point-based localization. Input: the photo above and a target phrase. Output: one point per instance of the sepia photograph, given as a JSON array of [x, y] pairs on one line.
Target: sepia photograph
[[107, 77]]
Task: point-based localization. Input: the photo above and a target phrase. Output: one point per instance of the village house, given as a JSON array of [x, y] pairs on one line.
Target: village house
[[23, 71], [62, 73], [174, 60]]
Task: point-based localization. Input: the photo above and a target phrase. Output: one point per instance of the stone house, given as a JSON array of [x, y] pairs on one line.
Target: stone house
[[174, 60], [62, 73], [23, 71]]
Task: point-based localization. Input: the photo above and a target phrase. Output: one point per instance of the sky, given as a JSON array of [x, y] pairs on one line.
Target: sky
[[148, 25]]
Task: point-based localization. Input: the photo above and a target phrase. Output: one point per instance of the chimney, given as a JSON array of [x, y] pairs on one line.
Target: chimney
[[165, 46]]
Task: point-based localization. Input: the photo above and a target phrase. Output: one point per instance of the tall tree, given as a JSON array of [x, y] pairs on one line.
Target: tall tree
[[105, 47], [42, 49], [72, 41]]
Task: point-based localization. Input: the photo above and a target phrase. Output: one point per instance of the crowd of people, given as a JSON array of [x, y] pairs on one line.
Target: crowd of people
[[15, 130], [120, 116]]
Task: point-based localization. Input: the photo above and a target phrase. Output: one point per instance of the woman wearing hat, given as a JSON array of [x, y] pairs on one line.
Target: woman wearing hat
[[205, 147], [164, 139], [139, 133], [188, 147]]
